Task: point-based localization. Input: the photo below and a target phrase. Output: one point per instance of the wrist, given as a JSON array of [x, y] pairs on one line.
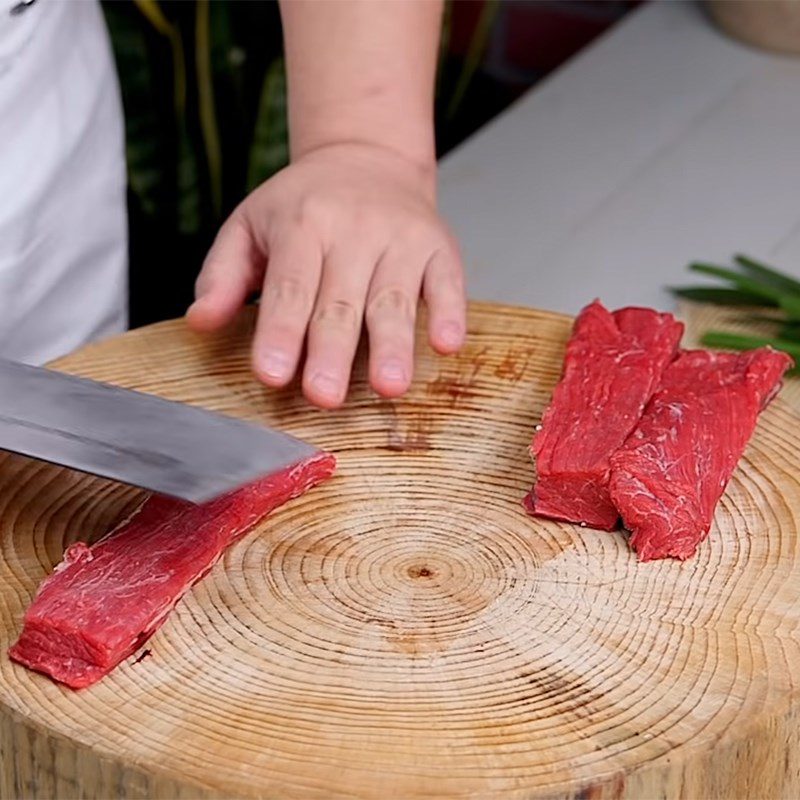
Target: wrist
[[366, 153], [374, 121]]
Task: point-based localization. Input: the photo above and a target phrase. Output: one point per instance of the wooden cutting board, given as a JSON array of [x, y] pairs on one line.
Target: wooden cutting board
[[406, 630]]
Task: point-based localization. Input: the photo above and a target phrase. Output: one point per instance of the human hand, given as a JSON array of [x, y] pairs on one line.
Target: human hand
[[346, 234]]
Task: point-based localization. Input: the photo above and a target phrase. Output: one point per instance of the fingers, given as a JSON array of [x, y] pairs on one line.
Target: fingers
[[290, 288], [325, 299], [390, 315], [230, 272], [443, 289], [335, 326]]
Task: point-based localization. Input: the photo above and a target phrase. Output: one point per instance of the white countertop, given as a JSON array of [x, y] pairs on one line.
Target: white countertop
[[661, 143]]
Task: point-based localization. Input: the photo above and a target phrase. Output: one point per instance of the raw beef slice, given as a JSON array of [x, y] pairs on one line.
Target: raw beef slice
[[612, 366], [668, 477], [102, 602]]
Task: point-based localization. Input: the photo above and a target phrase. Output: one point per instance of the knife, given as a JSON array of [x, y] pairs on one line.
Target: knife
[[168, 447]]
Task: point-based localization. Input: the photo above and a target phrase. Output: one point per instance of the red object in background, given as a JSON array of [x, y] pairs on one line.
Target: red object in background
[[463, 22], [530, 38], [541, 36]]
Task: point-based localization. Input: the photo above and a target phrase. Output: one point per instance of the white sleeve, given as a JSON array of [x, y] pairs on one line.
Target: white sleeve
[[63, 226]]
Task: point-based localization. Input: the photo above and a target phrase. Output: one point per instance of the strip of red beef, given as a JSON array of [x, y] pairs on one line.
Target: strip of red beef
[[103, 602], [668, 477], [613, 364]]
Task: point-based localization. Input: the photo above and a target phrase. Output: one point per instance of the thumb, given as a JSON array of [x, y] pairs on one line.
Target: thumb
[[232, 270]]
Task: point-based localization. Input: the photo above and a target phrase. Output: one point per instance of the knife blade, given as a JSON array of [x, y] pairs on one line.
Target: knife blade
[[136, 438]]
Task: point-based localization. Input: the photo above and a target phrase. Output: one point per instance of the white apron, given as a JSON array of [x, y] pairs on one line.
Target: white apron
[[63, 227]]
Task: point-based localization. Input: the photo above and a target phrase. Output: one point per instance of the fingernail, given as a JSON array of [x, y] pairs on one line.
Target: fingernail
[[326, 385], [275, 364], [450, 334], [392, 371]]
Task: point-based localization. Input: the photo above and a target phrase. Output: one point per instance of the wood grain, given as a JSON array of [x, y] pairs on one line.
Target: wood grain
[[406, 630]]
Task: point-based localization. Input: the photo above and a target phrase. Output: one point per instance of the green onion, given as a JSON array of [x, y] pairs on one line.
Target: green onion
[[739, 280], [720, 296], [768, 274], [757, 285], [737, 341], [790, 331]]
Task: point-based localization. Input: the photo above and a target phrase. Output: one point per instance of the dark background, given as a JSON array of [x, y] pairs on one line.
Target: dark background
[[204, 95]]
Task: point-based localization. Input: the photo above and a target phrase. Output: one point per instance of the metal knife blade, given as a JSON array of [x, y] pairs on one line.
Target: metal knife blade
[[136, 438]]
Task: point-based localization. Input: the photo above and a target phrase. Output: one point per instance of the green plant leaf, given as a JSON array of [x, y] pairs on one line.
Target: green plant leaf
[[477, 46], [142, 82], [207, 111], [269, 150], [151, 10], [136, 51], [189, 201], [155, 15]]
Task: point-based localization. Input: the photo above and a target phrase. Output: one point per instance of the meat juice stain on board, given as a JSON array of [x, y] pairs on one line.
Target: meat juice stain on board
[[412, 436], [459, 384], [514, 364], [413, 431]]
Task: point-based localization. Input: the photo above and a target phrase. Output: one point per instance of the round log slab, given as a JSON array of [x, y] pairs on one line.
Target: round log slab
[[406, 630]]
